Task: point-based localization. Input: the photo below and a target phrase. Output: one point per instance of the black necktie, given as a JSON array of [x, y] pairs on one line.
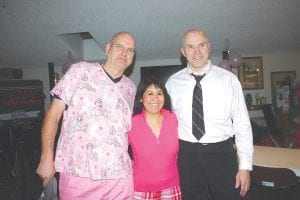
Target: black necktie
[[197, 116]]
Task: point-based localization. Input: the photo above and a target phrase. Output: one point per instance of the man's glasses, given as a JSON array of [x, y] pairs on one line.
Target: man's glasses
[[123, 48]]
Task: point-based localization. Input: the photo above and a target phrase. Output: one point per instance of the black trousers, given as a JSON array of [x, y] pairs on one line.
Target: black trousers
[[208, 170]]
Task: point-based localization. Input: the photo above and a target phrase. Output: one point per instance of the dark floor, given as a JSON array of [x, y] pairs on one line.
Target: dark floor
[[21, 183], [28, 188], [18, 180]]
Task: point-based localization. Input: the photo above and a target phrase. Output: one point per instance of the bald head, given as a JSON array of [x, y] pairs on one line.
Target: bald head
[[119, 34], [193, 31]]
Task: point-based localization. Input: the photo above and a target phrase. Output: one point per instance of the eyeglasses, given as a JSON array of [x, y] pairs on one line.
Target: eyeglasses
[[123, 48]]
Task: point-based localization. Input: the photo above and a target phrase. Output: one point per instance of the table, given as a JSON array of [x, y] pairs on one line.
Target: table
[[277, 157]]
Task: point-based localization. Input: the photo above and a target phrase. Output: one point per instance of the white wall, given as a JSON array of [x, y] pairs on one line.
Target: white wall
[[271, 63], [274, 63], [92, 50]]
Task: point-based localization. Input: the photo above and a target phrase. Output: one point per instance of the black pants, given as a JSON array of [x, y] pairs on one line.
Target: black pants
[[208, 170]]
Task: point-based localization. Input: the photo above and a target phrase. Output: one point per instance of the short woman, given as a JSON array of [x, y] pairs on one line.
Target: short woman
[[154, 143]]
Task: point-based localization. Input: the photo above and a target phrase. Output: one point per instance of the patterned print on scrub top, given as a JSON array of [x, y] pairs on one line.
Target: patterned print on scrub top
[[93, 139]]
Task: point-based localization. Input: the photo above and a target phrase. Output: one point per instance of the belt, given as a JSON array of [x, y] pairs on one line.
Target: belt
[[205, 144]]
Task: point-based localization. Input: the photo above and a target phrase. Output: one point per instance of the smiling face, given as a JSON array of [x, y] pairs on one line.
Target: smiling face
[[120, 52], [153, 100], [195, 48]]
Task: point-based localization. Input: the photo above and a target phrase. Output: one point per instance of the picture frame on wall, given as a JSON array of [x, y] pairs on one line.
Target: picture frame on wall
[[250, 73], [281, 84]]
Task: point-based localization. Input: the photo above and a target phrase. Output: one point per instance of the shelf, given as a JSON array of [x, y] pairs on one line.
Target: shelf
[[255, 107]]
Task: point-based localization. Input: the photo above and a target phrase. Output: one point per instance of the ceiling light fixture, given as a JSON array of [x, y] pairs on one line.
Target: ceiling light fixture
[[231, 59]]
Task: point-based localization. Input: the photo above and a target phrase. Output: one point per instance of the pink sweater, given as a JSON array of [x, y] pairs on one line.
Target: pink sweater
[[155, 159]]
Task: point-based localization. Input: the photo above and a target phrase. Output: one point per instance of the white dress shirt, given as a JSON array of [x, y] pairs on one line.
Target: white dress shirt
[[224, 108]]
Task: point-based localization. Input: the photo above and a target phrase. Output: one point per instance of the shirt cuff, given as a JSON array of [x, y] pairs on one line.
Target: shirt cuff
[[245, 163]]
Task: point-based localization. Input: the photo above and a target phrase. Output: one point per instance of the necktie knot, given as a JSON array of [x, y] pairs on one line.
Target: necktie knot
[[198, 78]]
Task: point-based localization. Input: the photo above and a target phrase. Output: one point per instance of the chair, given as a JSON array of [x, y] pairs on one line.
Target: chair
[[269, 183], [270, 119], [272, 129]]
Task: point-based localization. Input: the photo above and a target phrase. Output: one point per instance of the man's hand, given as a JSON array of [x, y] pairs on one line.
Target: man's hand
[[46, 170], [243, 181]]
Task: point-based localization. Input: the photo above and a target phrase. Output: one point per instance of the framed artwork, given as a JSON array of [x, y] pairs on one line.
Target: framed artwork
[[281, 85], [251, 73]]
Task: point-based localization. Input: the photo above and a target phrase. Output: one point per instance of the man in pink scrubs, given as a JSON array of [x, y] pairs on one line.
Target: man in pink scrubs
[[96, 104]]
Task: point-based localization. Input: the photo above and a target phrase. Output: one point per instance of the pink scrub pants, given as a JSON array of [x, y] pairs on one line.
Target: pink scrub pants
[[78, 188]]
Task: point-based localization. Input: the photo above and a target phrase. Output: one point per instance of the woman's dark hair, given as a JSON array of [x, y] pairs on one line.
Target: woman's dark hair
[[142, 87]]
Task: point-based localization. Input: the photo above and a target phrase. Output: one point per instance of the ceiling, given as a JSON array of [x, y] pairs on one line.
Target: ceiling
[[35, 32]]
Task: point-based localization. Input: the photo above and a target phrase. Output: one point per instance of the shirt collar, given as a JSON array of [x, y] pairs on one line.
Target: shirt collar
[[163, 111], [206, 69], [114, 80]]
